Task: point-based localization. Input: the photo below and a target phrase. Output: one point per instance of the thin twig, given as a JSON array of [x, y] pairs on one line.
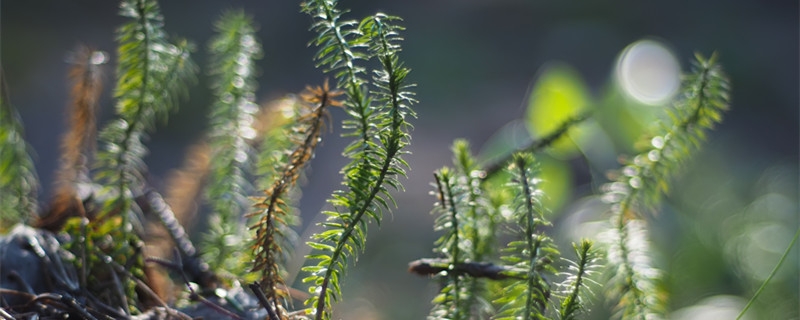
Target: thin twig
[[144, 287], [171, 311], [70, 301], [53, 264], [118, 284], [16, 277], [495, 167], [5, 315], [429, 267], [155, 204], [84, 224], [152, 202], [106, 308], [771, 274], [49, 298], [178, 266], [219, 309], [256, 288], [30, 296]]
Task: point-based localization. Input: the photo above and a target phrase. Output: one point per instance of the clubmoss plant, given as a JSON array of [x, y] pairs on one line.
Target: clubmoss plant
[[643, 179], [575, 290], [379, 130], [522, 289], [274, 213], [152, 75], [531, 252], [105, 221], [18, 180], [451, 302], [234, 51]]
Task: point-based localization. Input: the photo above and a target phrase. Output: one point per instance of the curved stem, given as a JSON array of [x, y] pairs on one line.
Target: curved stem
[[771, 274], [349, 231], [453, 249], [131, 127], [355, 93], [537, 145]]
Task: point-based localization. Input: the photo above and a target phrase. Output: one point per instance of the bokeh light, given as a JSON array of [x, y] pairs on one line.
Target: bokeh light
[[648, 72], [716, 307]]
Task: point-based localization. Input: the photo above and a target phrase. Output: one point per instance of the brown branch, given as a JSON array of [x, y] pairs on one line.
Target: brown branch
[[256, 288], [63, 302], [78, 142], [266, 247], [431, 267]]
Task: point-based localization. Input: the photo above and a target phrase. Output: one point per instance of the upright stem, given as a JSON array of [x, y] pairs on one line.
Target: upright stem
[[454, 249], [349, 231], [134, 121], [771, 274], [532, 241]]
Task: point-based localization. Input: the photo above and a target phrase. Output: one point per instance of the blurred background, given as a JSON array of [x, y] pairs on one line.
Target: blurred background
[[485, 70]]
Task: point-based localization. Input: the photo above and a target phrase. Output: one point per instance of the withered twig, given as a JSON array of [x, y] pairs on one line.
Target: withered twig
[[155, 297], [178, 266], [70, 301], [5, 315], [63, 302], [16, 277], [141, 285], [52, 263], [120, 291], [155, 204], [430, 267], [256, 288], [82, 240], [152, 202], [109, 310], [219, 309], [30, 296]]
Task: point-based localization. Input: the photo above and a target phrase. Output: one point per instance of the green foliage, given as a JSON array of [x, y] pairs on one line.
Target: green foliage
[[18, 181], [152, 74], [468, 222], [646, 177], [91, 243], [574, 290], [558, 98], [530, 281], [479, 223], [531, 252], [468, 214], [233, 53], [480, 220], [379, 130], [451, 302]]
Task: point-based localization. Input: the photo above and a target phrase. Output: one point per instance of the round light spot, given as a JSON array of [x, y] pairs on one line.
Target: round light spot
[[98, 57], [648, 72]]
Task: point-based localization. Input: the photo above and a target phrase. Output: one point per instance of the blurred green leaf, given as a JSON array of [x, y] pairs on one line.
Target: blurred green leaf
[[558, 95]]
